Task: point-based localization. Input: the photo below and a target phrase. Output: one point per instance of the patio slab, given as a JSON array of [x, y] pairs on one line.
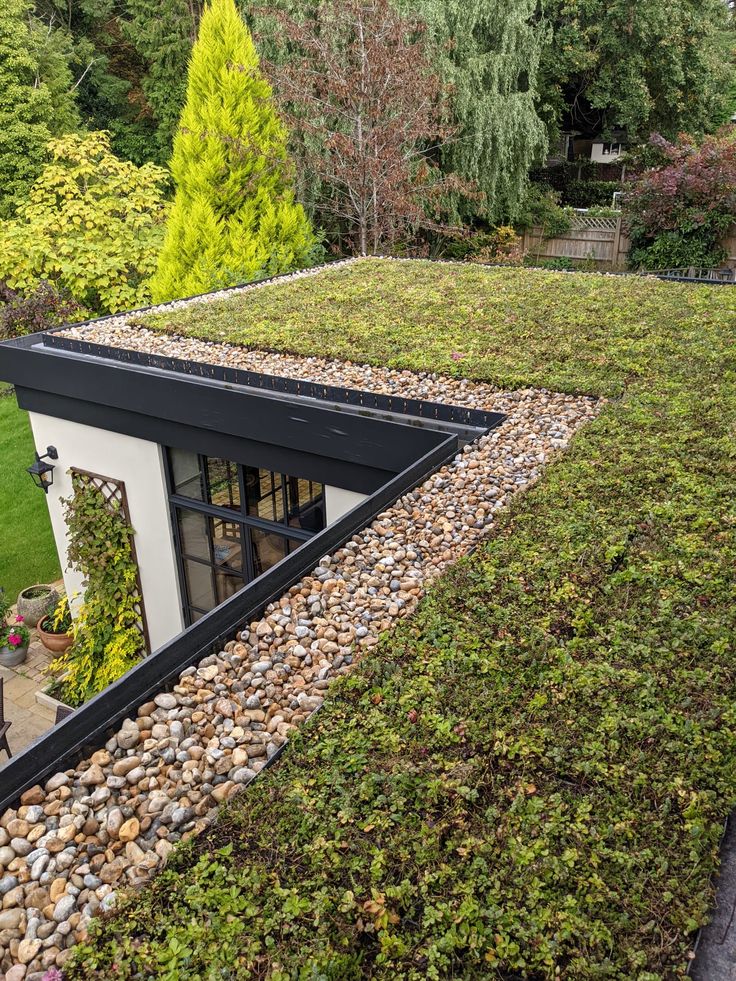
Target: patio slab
[[29, 719]]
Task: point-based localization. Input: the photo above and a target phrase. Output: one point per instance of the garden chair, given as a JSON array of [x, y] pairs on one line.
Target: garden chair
[[4, 726]]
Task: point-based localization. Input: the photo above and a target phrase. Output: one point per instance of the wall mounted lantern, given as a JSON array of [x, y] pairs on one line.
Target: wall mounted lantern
[[42, 473]]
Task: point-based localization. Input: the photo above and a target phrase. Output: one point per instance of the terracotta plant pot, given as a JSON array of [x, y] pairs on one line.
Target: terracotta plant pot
[[56, 643], [11, 656], [34, 608]]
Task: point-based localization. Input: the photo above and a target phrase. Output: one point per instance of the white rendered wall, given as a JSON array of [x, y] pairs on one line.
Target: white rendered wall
[[598, 156], [338, 502], [139, 464]]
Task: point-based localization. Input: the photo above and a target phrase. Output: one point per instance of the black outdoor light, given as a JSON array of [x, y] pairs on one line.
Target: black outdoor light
[[42, 473]]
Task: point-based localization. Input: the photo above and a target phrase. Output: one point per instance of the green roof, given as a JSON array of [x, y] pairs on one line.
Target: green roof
[[570, 332], [532, 773]]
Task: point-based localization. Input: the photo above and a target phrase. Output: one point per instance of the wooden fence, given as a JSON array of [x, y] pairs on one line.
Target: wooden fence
[[598, 240]]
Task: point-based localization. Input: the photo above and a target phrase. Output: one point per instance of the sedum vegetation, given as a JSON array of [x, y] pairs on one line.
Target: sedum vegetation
[[529, 777]]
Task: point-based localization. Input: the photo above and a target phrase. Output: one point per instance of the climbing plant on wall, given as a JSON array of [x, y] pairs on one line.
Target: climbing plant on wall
[[108, 639]]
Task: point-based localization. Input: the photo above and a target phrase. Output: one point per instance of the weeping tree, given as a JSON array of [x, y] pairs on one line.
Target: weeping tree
[[490, 53], [234, 217]]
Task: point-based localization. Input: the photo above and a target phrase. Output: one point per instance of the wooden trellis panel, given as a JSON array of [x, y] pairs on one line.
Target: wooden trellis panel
[[114, 491]]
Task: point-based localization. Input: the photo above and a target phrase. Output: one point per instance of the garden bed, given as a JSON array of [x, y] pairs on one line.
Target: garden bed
[[529, 778]]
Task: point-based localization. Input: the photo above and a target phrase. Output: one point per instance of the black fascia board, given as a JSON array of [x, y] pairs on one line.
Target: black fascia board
[[280, 420], [448, 417], [292, 460]]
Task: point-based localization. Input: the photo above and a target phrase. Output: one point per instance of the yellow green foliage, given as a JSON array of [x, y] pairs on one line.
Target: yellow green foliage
[[234, 218], [93, 225], [107, 637]]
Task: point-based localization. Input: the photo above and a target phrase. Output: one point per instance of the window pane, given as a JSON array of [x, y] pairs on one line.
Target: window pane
[[194, 534], [263, 493], [269, 548], [199, 585], [186, 474], [227, 544], [224, 485], [227, 585], [306, 504]]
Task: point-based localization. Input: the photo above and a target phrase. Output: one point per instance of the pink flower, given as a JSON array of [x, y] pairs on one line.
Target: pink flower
[[14, 640], [456, 356], [19, 619]]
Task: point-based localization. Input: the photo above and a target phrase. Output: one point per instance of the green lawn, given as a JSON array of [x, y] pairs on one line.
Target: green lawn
[[27, 551], [554, 807]]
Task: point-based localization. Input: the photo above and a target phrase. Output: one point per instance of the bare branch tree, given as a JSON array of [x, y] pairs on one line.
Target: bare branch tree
[[358, 89]]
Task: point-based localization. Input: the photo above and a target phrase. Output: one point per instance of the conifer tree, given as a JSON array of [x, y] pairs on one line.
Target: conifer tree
[[234, 217], [25, 107]]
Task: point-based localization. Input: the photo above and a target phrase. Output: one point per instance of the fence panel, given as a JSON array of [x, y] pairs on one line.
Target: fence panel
[[595, 239]]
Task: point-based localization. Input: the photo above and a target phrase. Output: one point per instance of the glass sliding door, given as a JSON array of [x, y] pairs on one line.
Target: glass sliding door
[[233, 522]]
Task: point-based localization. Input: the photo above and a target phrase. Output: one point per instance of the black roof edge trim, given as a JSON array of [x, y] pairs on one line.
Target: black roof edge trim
[[434, 412]]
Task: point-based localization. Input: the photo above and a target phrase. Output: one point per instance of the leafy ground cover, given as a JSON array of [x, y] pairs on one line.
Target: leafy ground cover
[[587, 334], [27, 550], [528, 778]]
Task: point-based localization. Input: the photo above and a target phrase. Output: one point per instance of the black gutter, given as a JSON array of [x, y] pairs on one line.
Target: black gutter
[[89, 726]]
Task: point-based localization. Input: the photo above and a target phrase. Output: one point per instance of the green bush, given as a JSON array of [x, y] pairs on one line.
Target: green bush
[[561, 263], [671, 250], [591, 193], [541, 208]]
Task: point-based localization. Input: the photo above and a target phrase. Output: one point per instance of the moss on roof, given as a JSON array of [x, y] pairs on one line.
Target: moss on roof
[[529, 778], [581, 333]]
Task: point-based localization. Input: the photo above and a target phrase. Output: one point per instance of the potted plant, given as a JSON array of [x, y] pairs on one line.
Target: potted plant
[[55, 629], [14, 640], [35, 602]]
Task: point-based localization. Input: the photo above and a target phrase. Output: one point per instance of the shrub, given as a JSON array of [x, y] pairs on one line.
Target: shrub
[[541, 208], [92, 227], [503, 248], [561, 263], [677, 215], [42, 307], [589, 194]]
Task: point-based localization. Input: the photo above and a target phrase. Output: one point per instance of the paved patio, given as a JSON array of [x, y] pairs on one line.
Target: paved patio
[[20, 684]]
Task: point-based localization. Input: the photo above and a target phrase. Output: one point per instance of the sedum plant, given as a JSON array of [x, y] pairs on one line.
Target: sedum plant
[[234, 218]]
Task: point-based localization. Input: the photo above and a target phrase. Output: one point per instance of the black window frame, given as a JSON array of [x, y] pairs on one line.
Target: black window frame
[[238, 516]]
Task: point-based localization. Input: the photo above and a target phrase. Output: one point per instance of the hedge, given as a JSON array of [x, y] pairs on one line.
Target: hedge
[[529, 777]]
